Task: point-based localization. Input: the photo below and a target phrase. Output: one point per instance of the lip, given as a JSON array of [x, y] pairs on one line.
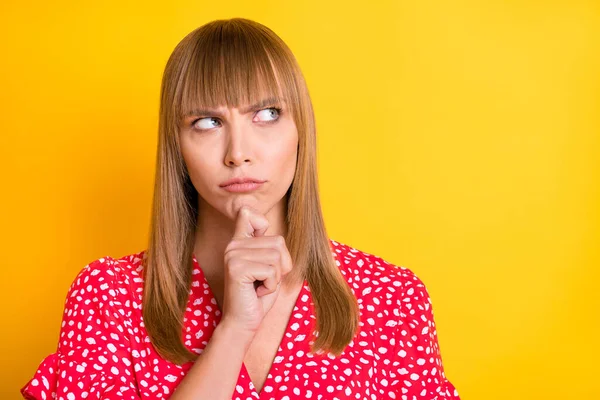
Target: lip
[[242, 184], [243, 187], [243, 179]]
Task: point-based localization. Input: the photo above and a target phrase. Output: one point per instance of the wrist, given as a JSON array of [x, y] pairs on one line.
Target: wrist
[[235, 333]]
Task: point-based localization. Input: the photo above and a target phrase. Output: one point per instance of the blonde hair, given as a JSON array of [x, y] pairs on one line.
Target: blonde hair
[[235, 62]]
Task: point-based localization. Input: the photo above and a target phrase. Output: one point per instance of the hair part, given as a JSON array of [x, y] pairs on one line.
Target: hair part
[[235, 62]]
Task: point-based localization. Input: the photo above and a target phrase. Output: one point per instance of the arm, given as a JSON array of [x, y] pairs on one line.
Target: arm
[[216, 371], [417, 369], [93, 357]]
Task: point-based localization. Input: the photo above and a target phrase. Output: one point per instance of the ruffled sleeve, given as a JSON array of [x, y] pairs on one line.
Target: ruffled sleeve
[[93, 359], [417, 370]]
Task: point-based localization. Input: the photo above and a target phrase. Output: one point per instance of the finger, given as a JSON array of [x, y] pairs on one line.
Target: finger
[[287, 263], [265, 243], [269, 285], [254, 272], [250, 223], [269, 255]]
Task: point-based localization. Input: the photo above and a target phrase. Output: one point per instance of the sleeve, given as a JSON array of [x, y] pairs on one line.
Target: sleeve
[[93, 358], [417, 370]]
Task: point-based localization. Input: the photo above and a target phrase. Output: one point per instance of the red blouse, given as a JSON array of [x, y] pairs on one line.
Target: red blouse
[[104, 351]]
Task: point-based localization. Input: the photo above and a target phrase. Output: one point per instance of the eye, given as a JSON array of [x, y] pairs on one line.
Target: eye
[[271, 112], [268, 115], [204, 123]]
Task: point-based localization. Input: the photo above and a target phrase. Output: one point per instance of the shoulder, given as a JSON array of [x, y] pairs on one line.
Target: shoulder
[[369, 274], [360, 266], [108, 278], [100, 327]]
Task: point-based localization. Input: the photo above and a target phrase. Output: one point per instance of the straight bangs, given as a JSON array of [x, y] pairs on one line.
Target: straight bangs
[[234, 68]]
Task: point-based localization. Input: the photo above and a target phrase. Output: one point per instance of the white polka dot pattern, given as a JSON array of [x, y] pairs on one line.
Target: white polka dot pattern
[[104, 351]]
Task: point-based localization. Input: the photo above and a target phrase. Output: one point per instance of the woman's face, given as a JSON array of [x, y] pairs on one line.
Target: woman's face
[[254, 141]]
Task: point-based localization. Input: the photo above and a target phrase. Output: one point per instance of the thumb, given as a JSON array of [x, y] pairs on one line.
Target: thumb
[[250, 222]]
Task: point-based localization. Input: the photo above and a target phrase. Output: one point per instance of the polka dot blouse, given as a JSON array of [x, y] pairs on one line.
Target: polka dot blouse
[[104, 351]]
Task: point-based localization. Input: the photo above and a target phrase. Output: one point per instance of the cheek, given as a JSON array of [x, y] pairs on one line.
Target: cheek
[[283, 151], [199, 168], [284, 159]]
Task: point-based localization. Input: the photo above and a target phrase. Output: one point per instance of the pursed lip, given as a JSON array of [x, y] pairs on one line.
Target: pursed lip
[[241, 180]]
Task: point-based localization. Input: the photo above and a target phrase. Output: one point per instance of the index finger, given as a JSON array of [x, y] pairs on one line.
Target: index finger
[[250, 223]]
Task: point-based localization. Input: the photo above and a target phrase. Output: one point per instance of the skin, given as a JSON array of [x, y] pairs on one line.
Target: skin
[[226, 143]]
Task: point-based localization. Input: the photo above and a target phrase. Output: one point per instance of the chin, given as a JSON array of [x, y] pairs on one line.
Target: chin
[[246, 200]]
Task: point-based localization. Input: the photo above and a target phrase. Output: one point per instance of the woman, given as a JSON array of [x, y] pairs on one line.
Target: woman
[[240, 293]]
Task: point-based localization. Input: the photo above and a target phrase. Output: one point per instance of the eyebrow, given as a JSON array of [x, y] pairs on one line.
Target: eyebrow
[[245, 110]]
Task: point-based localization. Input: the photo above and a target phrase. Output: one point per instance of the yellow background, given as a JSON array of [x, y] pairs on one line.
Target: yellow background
[[457, 138]]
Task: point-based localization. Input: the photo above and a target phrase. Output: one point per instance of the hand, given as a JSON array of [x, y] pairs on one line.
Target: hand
[[254, 267]]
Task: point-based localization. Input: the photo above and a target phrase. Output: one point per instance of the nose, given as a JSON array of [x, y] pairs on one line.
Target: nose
[[238, 146]]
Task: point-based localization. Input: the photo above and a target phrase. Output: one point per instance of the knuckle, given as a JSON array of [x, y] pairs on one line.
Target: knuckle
[[274, 255], [280, 241], [232, 244], [228, 255], [245, 210], [231, 263]]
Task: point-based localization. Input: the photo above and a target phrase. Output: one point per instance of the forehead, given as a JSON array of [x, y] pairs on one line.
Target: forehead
[[243, 109], [211, 88]]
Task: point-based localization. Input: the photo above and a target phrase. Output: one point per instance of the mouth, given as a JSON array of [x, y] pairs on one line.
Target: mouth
[[242, 187], [238, 182]]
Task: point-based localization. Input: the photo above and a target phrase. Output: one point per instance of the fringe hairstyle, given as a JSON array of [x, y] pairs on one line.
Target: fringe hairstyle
[[235, 62]]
